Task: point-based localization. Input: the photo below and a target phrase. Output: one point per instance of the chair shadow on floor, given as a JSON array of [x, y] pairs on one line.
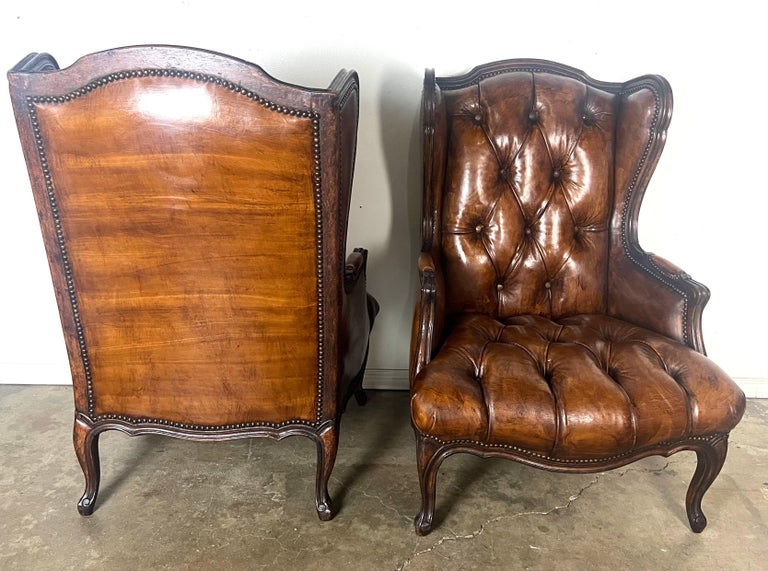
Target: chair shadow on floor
[[390, 431], [131, 459]]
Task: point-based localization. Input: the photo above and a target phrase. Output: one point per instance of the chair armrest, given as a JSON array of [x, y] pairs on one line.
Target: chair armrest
[[354, 267], [656, 294], [429, 314]]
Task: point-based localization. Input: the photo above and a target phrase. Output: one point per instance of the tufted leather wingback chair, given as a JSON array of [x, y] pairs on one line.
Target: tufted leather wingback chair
[[194, 212], [543, 333]]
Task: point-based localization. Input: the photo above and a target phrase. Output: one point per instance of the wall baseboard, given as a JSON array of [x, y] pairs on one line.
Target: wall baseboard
[[386, 379], [753, 388], [397, 379], [35, 374]]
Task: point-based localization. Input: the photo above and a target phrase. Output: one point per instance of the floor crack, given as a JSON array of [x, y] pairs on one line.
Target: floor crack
[[485, 524], [386, 505]]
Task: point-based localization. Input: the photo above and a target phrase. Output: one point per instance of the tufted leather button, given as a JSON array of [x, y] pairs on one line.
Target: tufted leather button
[[528, 231], [588, 117], [548, 285], [556, 174], [478, 118], [499, 286], [479, 228], [533, 116]]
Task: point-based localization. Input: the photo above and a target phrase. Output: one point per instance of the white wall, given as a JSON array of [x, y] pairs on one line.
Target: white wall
[[706, 209]]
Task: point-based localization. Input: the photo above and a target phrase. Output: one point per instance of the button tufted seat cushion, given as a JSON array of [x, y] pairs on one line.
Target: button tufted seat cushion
[[576, 388]]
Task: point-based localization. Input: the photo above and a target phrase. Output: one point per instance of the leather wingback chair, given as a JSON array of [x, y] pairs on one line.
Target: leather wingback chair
[[194, 213], [543, 333]]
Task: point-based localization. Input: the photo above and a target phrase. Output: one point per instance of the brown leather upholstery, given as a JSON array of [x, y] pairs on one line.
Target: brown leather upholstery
[[543, 332], [194, 211], [585, 386]]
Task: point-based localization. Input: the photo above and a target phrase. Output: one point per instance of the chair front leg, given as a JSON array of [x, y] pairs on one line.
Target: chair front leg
[[427, 463], [711, 457]]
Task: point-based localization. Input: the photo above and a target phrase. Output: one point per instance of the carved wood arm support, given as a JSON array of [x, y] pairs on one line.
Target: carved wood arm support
[[355, 267], [429, 316]]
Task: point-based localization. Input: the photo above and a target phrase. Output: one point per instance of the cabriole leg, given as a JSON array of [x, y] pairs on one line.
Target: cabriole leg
[[427, 466], [711, 458], [327, 445], [87, 449]]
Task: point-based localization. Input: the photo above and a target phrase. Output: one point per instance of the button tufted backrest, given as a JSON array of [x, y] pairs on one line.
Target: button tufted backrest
[[528, 190]]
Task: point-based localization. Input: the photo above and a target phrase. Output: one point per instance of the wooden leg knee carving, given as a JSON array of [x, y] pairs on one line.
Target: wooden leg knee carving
[[87, 449], [327, 445], [711, 457]]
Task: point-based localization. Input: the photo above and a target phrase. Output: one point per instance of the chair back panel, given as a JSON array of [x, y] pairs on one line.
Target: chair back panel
[[528, 194], [187, 221]]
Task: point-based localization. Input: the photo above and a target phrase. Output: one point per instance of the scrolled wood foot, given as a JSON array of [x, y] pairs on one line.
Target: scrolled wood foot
[[422, 523], [86, 443], [711, 457], [325, 510], [327, 446], [427, 464]]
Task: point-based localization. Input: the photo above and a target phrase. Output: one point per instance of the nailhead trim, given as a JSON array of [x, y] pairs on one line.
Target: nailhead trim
[[319, 265], [628, 198], [201, 427], [62, 247], [33, 101], [524, 452]]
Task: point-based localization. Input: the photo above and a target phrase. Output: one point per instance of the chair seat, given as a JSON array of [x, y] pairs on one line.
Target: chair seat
[[580, 387]]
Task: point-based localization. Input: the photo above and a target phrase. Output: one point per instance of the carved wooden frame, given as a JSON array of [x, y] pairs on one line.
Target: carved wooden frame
[[710, 453]]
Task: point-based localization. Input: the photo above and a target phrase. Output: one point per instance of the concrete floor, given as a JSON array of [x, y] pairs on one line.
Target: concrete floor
[[248, 504]]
